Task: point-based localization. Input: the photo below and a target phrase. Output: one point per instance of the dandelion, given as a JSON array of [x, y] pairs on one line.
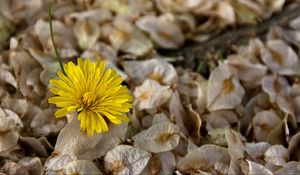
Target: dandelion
[[93, 92]]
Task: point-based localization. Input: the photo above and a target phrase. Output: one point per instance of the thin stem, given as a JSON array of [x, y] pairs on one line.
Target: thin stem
[[52, 38]]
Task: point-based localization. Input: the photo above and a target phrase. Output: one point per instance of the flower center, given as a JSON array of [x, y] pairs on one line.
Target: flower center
[[88, 100]]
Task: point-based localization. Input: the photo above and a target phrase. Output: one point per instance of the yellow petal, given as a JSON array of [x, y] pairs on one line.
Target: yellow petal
[[102, 123], [112, 118], [90, 131], [82, 118], [123, 118], [98, 125], [61, 101], [61, 112]]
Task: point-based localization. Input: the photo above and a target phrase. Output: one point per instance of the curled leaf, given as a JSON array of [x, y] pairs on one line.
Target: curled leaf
[[162, 163], [156, 27], [277, 155], [155, 69], [206, 158], [255, 168], [32, 164], [87, 32], [128, 38], [264, 122], [44, 123], [281, 58], [151, 94]]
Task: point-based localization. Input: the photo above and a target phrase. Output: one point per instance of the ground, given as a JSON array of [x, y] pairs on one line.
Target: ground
[[215, 86]]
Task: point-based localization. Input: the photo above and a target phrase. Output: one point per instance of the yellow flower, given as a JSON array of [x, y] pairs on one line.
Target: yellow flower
[[93, 92]]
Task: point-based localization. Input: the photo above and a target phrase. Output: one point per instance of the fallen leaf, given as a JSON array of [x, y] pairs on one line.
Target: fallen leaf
[[125, 159], [160, 137], [224, 89]]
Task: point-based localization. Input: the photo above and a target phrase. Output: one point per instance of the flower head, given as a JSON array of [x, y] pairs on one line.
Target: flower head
[[93, 92]]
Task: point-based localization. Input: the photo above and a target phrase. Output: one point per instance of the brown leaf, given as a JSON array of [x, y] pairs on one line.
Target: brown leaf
[[206, 158], [160, 137], [156, 27], [281, 58], [125, 159], [224, 89]]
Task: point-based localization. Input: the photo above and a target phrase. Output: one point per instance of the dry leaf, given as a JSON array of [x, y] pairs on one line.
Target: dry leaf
[[86, 32], [248, 72], [160, 118], [155, 69], [281, 58], [263, 123], [6, 76], [156, 26], [11, 167], [277, 155], [128, 38], [81, 167], [112, 138], [62, 34], [206, 158], [8, 140], [151, 95], [291, 167], [220, 119], [160, 137], [125, 159], [224, 89], [32, 164], [99, 15], [44, 123], [256, 150], [255, 168], [236, 145], [23, 64], [278, 89], [22, 9], [57, 162], [162, 163], [34, 146], [71, 140], [178, 112]]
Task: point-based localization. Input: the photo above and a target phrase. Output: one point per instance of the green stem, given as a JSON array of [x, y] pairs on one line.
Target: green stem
[[52, 38]]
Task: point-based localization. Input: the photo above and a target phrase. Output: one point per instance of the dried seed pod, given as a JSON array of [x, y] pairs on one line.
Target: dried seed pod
[[128, 38], [277, 155], [263, 123], [155, 69], [72, 141], [151, 95], [250, 167], [160, 137], [87, 32], [281, 58], [224, 89], [205, 158], [156, 26], [81, 167], [125, 159]]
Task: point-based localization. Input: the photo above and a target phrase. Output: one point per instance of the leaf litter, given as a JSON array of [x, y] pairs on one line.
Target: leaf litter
[[242, 119]]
